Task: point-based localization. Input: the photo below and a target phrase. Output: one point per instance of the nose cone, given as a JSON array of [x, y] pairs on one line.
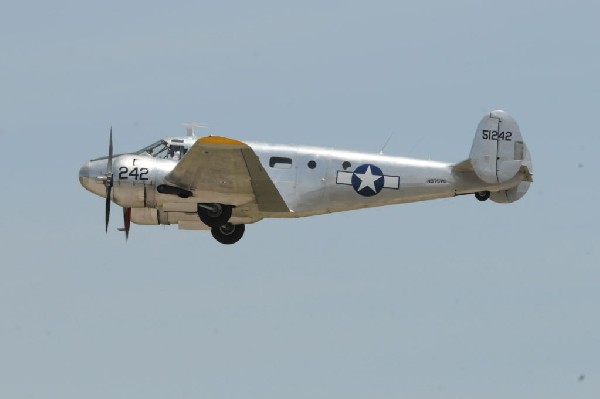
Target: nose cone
[[85, 177], [88, 174], [84, 174]]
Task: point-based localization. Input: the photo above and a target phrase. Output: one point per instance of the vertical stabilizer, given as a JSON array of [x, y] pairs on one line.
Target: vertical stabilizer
[[498, 150], [499, 153]]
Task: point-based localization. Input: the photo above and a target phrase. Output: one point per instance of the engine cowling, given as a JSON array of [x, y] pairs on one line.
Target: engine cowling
[[148, 216]]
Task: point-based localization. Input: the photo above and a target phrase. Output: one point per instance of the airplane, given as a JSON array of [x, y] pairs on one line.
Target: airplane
[[221, 184]]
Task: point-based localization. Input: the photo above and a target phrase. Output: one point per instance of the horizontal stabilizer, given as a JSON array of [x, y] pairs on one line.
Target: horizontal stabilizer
[[512, 195]]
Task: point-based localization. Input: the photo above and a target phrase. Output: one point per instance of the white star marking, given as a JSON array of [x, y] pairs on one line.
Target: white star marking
[[367, 179]]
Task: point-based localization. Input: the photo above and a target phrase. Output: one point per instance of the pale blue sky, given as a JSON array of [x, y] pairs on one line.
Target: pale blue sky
[[443, 299]]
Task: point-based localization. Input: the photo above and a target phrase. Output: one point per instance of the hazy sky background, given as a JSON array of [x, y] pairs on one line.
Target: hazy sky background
[[444, 299]]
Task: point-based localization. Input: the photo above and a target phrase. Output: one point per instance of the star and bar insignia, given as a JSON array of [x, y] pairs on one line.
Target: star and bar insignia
[[368, 180]]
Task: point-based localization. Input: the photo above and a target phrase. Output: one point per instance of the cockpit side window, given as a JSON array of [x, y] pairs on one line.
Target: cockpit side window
[[177, 152], [178, 148]]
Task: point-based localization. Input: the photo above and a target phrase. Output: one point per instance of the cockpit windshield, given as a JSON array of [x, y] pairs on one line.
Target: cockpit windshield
[[162, 149]]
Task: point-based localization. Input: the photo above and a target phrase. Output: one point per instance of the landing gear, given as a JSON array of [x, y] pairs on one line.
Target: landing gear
[[482, 195], [214, 215], [228, 233]]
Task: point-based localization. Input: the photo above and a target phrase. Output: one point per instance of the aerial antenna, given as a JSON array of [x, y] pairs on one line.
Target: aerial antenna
[[386, 143], [415, 145], [190, 127]]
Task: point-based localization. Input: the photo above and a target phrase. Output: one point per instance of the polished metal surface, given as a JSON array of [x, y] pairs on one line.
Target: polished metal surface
[[279, 181]]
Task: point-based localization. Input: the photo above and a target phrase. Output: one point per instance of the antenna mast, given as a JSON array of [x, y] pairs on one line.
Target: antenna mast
[[386, 143], [190, 127]]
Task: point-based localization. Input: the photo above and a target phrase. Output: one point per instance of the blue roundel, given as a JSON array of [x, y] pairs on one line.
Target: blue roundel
[[367, 180]]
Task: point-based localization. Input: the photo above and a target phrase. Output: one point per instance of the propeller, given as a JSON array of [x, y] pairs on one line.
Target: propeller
[[126, 222], [108, 180]]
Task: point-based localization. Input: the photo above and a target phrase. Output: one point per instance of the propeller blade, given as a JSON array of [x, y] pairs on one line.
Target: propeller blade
[[108, 190], [127, 222], [108, 183], [110, 155]]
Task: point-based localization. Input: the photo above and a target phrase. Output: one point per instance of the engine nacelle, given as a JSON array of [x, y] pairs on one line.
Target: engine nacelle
[[148, 216]]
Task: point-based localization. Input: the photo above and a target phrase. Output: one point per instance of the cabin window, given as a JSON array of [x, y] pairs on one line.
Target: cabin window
[[280, 162], [312, 164], [346, 165]]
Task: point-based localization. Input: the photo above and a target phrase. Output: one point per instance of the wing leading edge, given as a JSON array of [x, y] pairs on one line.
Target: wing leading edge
[[228, 171]]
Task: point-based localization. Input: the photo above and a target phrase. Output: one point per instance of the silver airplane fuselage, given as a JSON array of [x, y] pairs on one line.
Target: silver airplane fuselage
[[309, 180]]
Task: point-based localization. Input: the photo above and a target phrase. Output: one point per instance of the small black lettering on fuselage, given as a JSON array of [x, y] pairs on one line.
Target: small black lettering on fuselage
[[437, 181], [494, 135], [135, 173]]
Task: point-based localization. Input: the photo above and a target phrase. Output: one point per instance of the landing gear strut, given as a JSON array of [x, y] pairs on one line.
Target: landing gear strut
[[228, 233], [482, 195], [214, 215]]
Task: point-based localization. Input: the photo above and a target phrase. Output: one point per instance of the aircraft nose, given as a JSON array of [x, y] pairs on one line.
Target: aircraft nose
[[84, 174], [88, 176]]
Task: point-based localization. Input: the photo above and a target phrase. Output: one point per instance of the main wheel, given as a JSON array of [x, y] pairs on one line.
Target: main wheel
[[214, 215], [482, 195], [228, 233]]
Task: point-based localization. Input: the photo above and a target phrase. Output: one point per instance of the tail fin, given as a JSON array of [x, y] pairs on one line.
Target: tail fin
[[499, 153]]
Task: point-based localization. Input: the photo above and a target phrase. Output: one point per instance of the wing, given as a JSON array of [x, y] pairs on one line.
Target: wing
[[222, 170]]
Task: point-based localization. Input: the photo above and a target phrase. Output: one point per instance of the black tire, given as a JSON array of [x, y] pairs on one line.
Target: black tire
[[216, 215], [228, 233], [482, 195]]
